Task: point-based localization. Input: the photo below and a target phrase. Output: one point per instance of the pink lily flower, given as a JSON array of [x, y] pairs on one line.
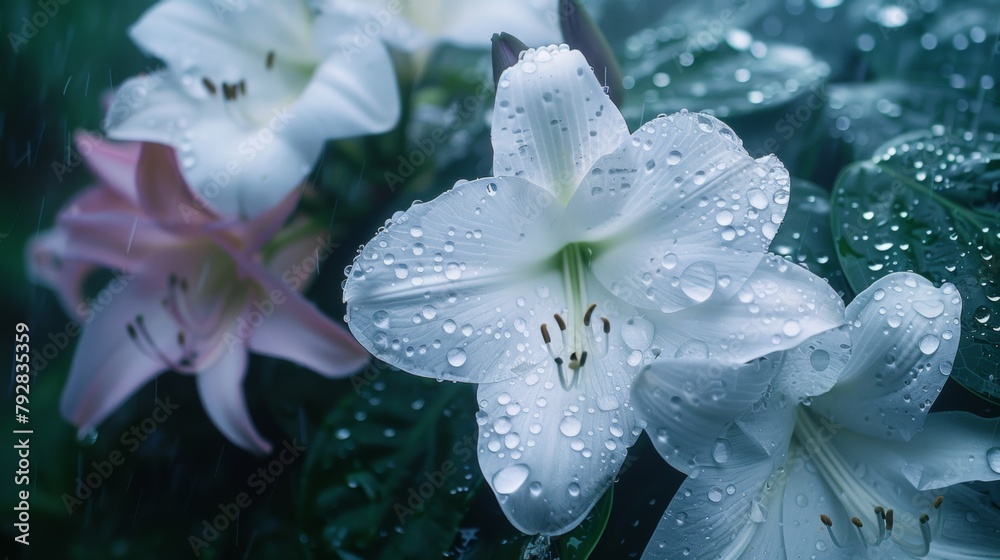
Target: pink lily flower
[[198, 292]]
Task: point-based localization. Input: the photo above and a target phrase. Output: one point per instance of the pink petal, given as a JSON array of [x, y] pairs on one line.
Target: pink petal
[[285, 325], [108, 366], [163, 193], [48, 263], [221, 390], [113, 163]]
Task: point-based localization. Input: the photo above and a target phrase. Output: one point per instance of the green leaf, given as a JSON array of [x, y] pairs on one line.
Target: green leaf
[[393, 470], [736, 77], [929, 202], [805, 236], [580, 542], [866, 116]]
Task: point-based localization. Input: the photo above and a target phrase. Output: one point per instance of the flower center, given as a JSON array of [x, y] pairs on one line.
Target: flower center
[[253, 104], [858, 497], [200, 331], [581, 336]]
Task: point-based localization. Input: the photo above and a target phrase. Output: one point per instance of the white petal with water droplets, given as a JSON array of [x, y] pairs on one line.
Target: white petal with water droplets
[[552, 120], [780, 306], [457, 288], [550, 453], [900, 359], [725, 511], [687, 404], [681, 212]]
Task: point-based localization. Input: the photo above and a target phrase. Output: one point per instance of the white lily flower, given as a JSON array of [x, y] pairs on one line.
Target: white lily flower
[[418, 26], [251, 92], [594, 251], [835, 460]]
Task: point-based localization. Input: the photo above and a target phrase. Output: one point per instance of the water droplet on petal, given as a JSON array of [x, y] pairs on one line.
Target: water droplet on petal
[[993, 459], [929, 344], [698, 281], [457, 357], [509, 479], [721, 450], [570, 426], [637, 332], [715, 494]]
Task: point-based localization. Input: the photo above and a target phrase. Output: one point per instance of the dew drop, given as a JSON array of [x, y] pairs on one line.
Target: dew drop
[[698, 281], [457, 357], [380, 319], [637, 332], [674, 157], [570, 426], [574, 489], [993, 459], [721, 450], [509, 479], [715, 494], [929, 344]]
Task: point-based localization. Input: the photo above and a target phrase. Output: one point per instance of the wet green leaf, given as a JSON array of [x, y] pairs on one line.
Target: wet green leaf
[[736, 76], [805, 236], [930, 202], [393, 470]]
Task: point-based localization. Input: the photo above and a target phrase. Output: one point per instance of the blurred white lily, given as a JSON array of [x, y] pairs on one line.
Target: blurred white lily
[[251, 92], [592, 252], [412, 26], [833, 459]]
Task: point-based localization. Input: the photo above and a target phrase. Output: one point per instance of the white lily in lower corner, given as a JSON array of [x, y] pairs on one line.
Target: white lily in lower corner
[[835, 460], [251, 92], [593, 252]]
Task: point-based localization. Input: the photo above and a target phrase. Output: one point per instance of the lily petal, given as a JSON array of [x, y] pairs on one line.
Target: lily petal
[[950, 449], [237, 34], [108, 367], [806, 496], [353, 92], [464, 258], [684, 212], [112, 162], [905, 335], [779, 307], [296, 331], [970, 528], [552, 120], [726, 511], [231, 166], [688, 404], [163, 194], [47, 263], [221, 390], [550, 453]]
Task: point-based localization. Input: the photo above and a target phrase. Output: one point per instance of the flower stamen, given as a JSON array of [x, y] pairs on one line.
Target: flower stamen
[[587, 315], [269, 63], [825, 519], [209, 85]]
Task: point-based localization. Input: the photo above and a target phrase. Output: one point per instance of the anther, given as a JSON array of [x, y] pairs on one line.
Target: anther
[[270, 60], [209, 86], [583, 358], [826, 520], [888, 520], [857, 522], [938, 501], [586, 316], [607, 325], [545, 334], [181, 339], [560, 322], [243, 87]]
